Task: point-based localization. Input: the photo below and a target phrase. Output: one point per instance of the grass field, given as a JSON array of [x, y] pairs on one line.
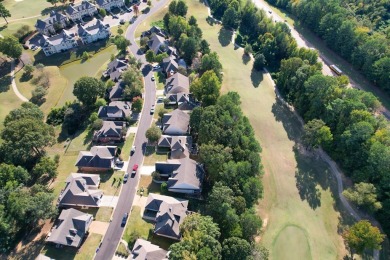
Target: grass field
[[136, 226], [148, 186], [152, 20], [8, 99], [152, 156], [298, 189]]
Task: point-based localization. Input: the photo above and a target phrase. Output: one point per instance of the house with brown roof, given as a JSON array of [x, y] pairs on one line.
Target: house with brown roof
[[176, 123], [177, 83], [115, 111], [168, 213], [183, 175], [178, 145], [70, 228], [99, 158], [144, 249], [170, 66], [116, 92], [81, 190], [111, 132]]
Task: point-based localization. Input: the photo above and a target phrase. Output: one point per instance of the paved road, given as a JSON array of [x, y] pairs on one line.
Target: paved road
[[115, 231], [302, 42]]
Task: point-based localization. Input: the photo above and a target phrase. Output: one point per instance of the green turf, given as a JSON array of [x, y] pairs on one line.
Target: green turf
[[294, 242], [299, 190]]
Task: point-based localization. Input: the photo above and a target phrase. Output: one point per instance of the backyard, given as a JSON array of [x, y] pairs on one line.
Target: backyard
[[299, 201]]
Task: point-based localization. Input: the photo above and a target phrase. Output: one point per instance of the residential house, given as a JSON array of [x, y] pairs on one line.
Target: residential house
[[158, 44], [99, 158], [111, 131], [115, 93], [52, 23], [178, 145], [61, 42], [168, 213], [115, 111], [176, 123], [110, 4], [115, 69], [70, 228], [144, 249], [184, 175], [177, 83], [77, 11], [154, 30], [170, 66], [81, 190], [94, 31], [187, 102], [172, 51]]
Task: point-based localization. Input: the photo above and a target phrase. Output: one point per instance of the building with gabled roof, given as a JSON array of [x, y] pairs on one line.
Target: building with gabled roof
[[115, 69], [52, 23], [81, 190], [110, 4], [111, 131], [70, 228], [170, 66], [179, 145], [77, 11], [168, 213], [158, 44], [61, 42], [99, 158], [115, 111], [144, 249], [176, 123], [93, 31]]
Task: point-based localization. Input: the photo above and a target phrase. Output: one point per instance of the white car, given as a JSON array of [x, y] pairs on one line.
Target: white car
[[126, 177], [153, 78], [157, 67], [132, 150], [160, 99], [152, 110]]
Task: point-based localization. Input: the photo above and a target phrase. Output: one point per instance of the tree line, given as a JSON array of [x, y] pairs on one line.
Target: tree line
[[357, 30], [344, 121], [227, 224]]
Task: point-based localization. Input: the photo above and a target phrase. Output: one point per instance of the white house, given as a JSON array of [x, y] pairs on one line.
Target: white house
[[93, 31], [61, 42], [109, 4], [78, 11], [52, 23]]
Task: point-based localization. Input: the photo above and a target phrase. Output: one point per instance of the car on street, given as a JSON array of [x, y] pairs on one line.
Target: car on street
[[132, 150], [160, 99], [124, 219], [153, 78], [157, 67], [152, 110], [134, 171], [126, 177], [122, 21]]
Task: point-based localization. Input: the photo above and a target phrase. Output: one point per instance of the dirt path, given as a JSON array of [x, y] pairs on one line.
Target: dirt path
[[13, 82]]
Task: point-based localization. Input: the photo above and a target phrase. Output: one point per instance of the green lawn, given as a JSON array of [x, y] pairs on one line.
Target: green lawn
[[136, 226], [100, 214], [8, 99], [148, 186], [299, 190], [110, 184], [152, 156], [126, 147], [160, 80], [150, 21]]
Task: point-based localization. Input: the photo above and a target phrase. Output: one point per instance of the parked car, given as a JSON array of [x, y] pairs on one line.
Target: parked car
[[126, 177], [160, 99], [132, 150], [34, 47], [115, 16], [124, 219], [152, 110], [157, 67], [134, 171], [153, 79]]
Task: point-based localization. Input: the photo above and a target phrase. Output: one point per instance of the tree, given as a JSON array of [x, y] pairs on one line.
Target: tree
[[231, 18], [211, 62], [28, 69], [248, 49], [189, 49], [363, 194], [178, 8], [214, 156], [150, 56], [120, 31], [137, 104], [316, 133], [11, 47], [149, 3], [259, 62], [250, 224], [85, 56], [204, 47], [121, 43], [4, 12], [88, 89], [206, 88], [12, 176], [161, 112], [362, 236], [153, 134], [136, 9], [235, 248], [46, 167], [26, 110], [38, 95], [102, 12], [53, 2]]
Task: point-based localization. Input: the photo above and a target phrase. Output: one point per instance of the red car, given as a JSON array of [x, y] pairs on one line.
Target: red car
[[135, 168]]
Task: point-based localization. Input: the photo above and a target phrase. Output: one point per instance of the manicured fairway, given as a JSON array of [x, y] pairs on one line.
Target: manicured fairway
[[297, 187]]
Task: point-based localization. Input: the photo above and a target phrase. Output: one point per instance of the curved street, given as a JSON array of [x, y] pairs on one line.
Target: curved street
[[126, 198]]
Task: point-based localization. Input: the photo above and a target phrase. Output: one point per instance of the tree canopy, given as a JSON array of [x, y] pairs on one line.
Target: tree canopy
[[153, 134], [206, 88], [11, 47], [88, 89]]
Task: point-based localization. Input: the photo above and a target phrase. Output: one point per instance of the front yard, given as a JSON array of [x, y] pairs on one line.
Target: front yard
[[152, 156], [136, 227], [146, 186], [102, 214]]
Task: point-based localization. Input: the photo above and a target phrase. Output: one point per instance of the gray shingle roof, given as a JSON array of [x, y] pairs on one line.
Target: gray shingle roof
[[116, 109], [115, 69], [177, 83], [144, 250], [116, 92], [179, 145], [81, 189], [110, 129], [57, 39], [176, 120], [155, 43], [97, 157], [171, 212], [93, 27], [170, 65], [50, 21], [71, 228], [72, 9]]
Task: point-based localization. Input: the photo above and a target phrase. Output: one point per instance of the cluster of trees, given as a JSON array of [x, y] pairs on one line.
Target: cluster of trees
[[357, 30], [24, 170]]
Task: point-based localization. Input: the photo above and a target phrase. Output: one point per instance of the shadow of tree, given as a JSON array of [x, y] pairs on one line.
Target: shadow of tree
[[47, 10], [245, 58], [211, 21], [256, 77], [287, 118], [5, 83], [225, 37]]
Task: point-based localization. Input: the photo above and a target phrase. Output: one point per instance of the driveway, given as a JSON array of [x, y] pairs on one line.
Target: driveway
[[147, 170], [109, 201], [98, 227], [140, 201]]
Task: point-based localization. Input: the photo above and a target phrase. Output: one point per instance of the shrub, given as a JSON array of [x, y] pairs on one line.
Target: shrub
[[164, 188], [97, 124], [85, 56], [38, 95], [56, 115], [102, 12]]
